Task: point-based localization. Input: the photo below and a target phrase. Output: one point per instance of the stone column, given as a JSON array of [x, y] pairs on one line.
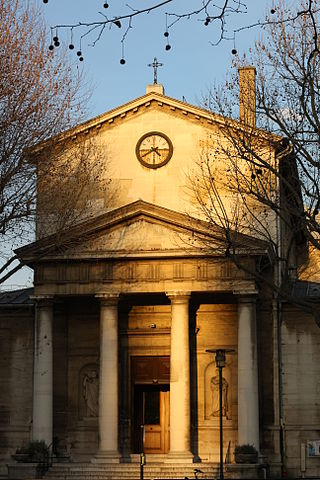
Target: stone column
[[108, 381], [43, 370], [179, 379], [248, 394]]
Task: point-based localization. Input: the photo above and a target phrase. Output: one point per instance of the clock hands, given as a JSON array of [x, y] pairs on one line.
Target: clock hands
[[144, 154], [155, 149], [152, 149]]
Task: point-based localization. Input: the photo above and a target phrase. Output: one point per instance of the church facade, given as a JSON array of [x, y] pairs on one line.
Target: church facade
[[116, 332]]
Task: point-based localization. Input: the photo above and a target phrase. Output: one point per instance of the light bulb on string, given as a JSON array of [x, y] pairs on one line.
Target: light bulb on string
[[273, 9], [166, 34], [122, 59], [56, 39], [51, 46], [71, 45], [234, 50]]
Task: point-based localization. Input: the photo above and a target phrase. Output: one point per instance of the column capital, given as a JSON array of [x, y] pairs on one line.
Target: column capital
[[177, 296], [42, 300], [108, 299], [246, 296]]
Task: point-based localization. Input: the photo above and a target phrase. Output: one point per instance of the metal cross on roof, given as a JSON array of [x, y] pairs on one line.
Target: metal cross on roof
[[155, 66]]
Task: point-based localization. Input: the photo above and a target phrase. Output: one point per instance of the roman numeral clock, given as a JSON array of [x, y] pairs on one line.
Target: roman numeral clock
[[154, 149]]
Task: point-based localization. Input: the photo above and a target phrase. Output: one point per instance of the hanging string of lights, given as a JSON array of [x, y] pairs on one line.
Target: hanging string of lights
[[207, 8], [208, 13]]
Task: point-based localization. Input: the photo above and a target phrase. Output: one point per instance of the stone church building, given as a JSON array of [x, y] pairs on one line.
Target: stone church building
[[115, 332]]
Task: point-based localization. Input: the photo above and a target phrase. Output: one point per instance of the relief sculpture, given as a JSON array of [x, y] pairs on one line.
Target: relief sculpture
[[91, 393], [215, 406]]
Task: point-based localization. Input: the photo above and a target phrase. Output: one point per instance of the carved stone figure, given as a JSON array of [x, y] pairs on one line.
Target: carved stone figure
[[215, 407], [91, 393]]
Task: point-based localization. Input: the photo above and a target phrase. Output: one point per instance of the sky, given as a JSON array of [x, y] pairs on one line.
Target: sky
[[189, 68]]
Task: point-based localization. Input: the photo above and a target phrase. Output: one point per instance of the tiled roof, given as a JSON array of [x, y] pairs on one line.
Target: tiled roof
[[308, 290], [17, 297]]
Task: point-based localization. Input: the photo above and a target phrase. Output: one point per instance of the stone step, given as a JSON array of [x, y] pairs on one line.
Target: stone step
[[152, 471], [130, 471]]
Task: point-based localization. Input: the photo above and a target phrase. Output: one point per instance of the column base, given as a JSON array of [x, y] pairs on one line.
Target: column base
[[179, 457], [106, 457]]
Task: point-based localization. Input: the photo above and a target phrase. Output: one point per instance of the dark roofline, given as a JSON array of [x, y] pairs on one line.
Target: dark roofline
[[17, 298]]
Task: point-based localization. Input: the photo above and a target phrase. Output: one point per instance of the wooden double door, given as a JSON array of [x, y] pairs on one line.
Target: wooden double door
[[150, 376], [152, 411]]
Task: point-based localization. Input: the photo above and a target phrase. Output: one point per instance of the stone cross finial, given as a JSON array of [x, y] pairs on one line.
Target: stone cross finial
[[155, 66]]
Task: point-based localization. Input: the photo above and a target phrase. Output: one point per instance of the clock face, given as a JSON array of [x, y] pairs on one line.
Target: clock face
[[154, 149]]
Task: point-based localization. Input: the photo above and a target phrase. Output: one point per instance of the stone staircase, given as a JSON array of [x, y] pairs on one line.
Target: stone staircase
[[131, 471], [151, 471]]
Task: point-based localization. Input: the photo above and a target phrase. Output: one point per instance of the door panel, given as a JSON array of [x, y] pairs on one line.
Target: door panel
[[152, 409], [156, 421]]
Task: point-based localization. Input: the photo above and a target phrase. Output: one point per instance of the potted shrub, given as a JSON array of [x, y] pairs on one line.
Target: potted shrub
[[245, 454], [33, 452], [32, 460]]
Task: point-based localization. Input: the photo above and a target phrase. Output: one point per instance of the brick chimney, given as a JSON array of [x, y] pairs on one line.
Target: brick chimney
[[247, 86]]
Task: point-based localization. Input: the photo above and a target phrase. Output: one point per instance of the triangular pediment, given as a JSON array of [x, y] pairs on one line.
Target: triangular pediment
[[139, 229], [149, 101]]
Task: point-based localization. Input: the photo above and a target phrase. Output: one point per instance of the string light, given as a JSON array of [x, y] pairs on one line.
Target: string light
[[51, 46], [234, 50], [122, 60], [71, 45], [166, 34], [56, 39]]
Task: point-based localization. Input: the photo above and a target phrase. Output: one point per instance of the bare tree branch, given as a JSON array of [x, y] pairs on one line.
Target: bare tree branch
[[217, 14], [39, 98], [265, 182]]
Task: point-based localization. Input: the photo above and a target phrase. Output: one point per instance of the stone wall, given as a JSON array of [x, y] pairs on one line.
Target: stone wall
[[301, 388], [79, 368], [16, 359]]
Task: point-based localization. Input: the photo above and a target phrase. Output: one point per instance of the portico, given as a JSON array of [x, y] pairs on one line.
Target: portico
[[170, 330]]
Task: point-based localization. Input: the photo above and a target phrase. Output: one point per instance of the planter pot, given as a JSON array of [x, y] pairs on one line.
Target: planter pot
[[21, 471], [21, 457], [246, 458]]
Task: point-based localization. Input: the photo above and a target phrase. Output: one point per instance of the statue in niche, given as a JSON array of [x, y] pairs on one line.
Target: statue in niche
[[91, 393], [215, 407]]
